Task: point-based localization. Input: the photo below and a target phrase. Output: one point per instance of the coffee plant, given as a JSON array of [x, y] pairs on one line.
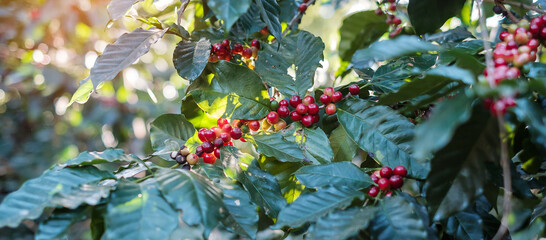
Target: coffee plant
[[435, 128]]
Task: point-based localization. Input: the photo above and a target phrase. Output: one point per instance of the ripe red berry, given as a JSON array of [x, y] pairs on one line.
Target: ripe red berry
[[533, 44], [307, 120], [400, 171], [238, 48], [213, 58], [373, 191], [330, 109], [375, 178], [264, 31], [378, 12], [354, 89], [254, 125], [308, 100], [396, 181], [500, 62], [384, 184], [201, 134], [396, 21], [236, 133], [217, 152], [325, 99], [225, 137], [216, 131], [388, 194], [302, 109], [316, 118], [392, 7], [226, 128], [208, 147], [337, 96], [392, 1], [283, 103], [503, 35], [302, 7], [209, 135], [283, 111], [295, 100], [329, 91], [255, 43], [272, 117], [221, 122], [209, 158], [385, 172], [295, 116], [218, 143], [313, 108], [247, 53], [225, 43]]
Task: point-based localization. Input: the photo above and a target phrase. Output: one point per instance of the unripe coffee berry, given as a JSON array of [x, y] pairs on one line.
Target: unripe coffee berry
[[192, 159]]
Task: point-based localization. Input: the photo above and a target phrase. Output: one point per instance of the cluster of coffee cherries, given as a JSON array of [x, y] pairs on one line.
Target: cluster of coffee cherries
[[214, 138], [518, 46], [184, 157], [392, 20], [224, 51], [387, 179]]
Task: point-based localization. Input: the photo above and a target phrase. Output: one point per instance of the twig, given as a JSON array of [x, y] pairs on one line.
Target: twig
[[295, 19], [508, 12], [520, 5], [507, 181]]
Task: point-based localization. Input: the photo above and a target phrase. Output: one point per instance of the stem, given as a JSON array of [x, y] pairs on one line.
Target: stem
[[490, 66], [520, 5], [142, 179], [507, 181], [508, 12], [175, 166], [295, 19]]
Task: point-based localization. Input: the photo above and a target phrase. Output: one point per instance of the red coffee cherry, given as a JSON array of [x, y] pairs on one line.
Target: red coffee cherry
[[254, 125], [209, 135], [247, 53], [283, 111], [217, 153], [384, 184], [238, 48], [209, 158], [221, 122], [308, 100], [396, 181], [255, 43], [329, 91], [236, 133], [208, 147], [302, 109], [272, 117], [283, 103], [302, 8], [295, 116], [373, 192], [354, 89], [385, 172], [225, 137], [337, 96], [218, 143], [295, 100], [400, 171], [313, 108], [307, 120], [325, 99], [330, 109]]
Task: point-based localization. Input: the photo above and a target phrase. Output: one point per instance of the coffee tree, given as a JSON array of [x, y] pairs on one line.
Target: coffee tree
[[441, 136]]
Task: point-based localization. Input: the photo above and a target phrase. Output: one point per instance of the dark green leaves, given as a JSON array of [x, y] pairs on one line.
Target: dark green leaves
[[275, 145], [436, 132], [358, 31], [342, 224], [457, 172], [292, 67], [270, 11], [537, 73], [397, 218], [30, 200], [264, 190], [315, 146], [310, 207], [243, 212], [108, 155], [58, 224], [170, 131], [383, 132], [236, 93], [138, 211], [429, 15], [465, 226], [343, 147], [383, 50], [337, 174], [199, 199], [229, 10], [190, 58]]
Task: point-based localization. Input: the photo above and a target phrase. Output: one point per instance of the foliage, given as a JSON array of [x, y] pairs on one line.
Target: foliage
[[413, 102]]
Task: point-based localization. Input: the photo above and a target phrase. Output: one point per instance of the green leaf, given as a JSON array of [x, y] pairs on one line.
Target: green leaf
[[537, 73], [90, 194], [96, 225], [404, 67], [107, 156], [264, 190], [234, 161], [57, 225], [465, 226], [358, 31], [434, 80], [333, 174], [457, 172], [118, 8], [383, 50], [437, 131], [396, 218], [122, 53], [250, 22], [316, 146], [195, 115], [30, 200], [170, 131], [310, 207], [342, 224], [244, 216], [291, 67], [429, 15], [199, 199], [383, 132], [284, 173], [191, 58], [236, 93], [275, 145], [539, 210], [229, 10], [289, 9], [82, 94], [138, 211], [343, 147], [453, 35], [270, 12]]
